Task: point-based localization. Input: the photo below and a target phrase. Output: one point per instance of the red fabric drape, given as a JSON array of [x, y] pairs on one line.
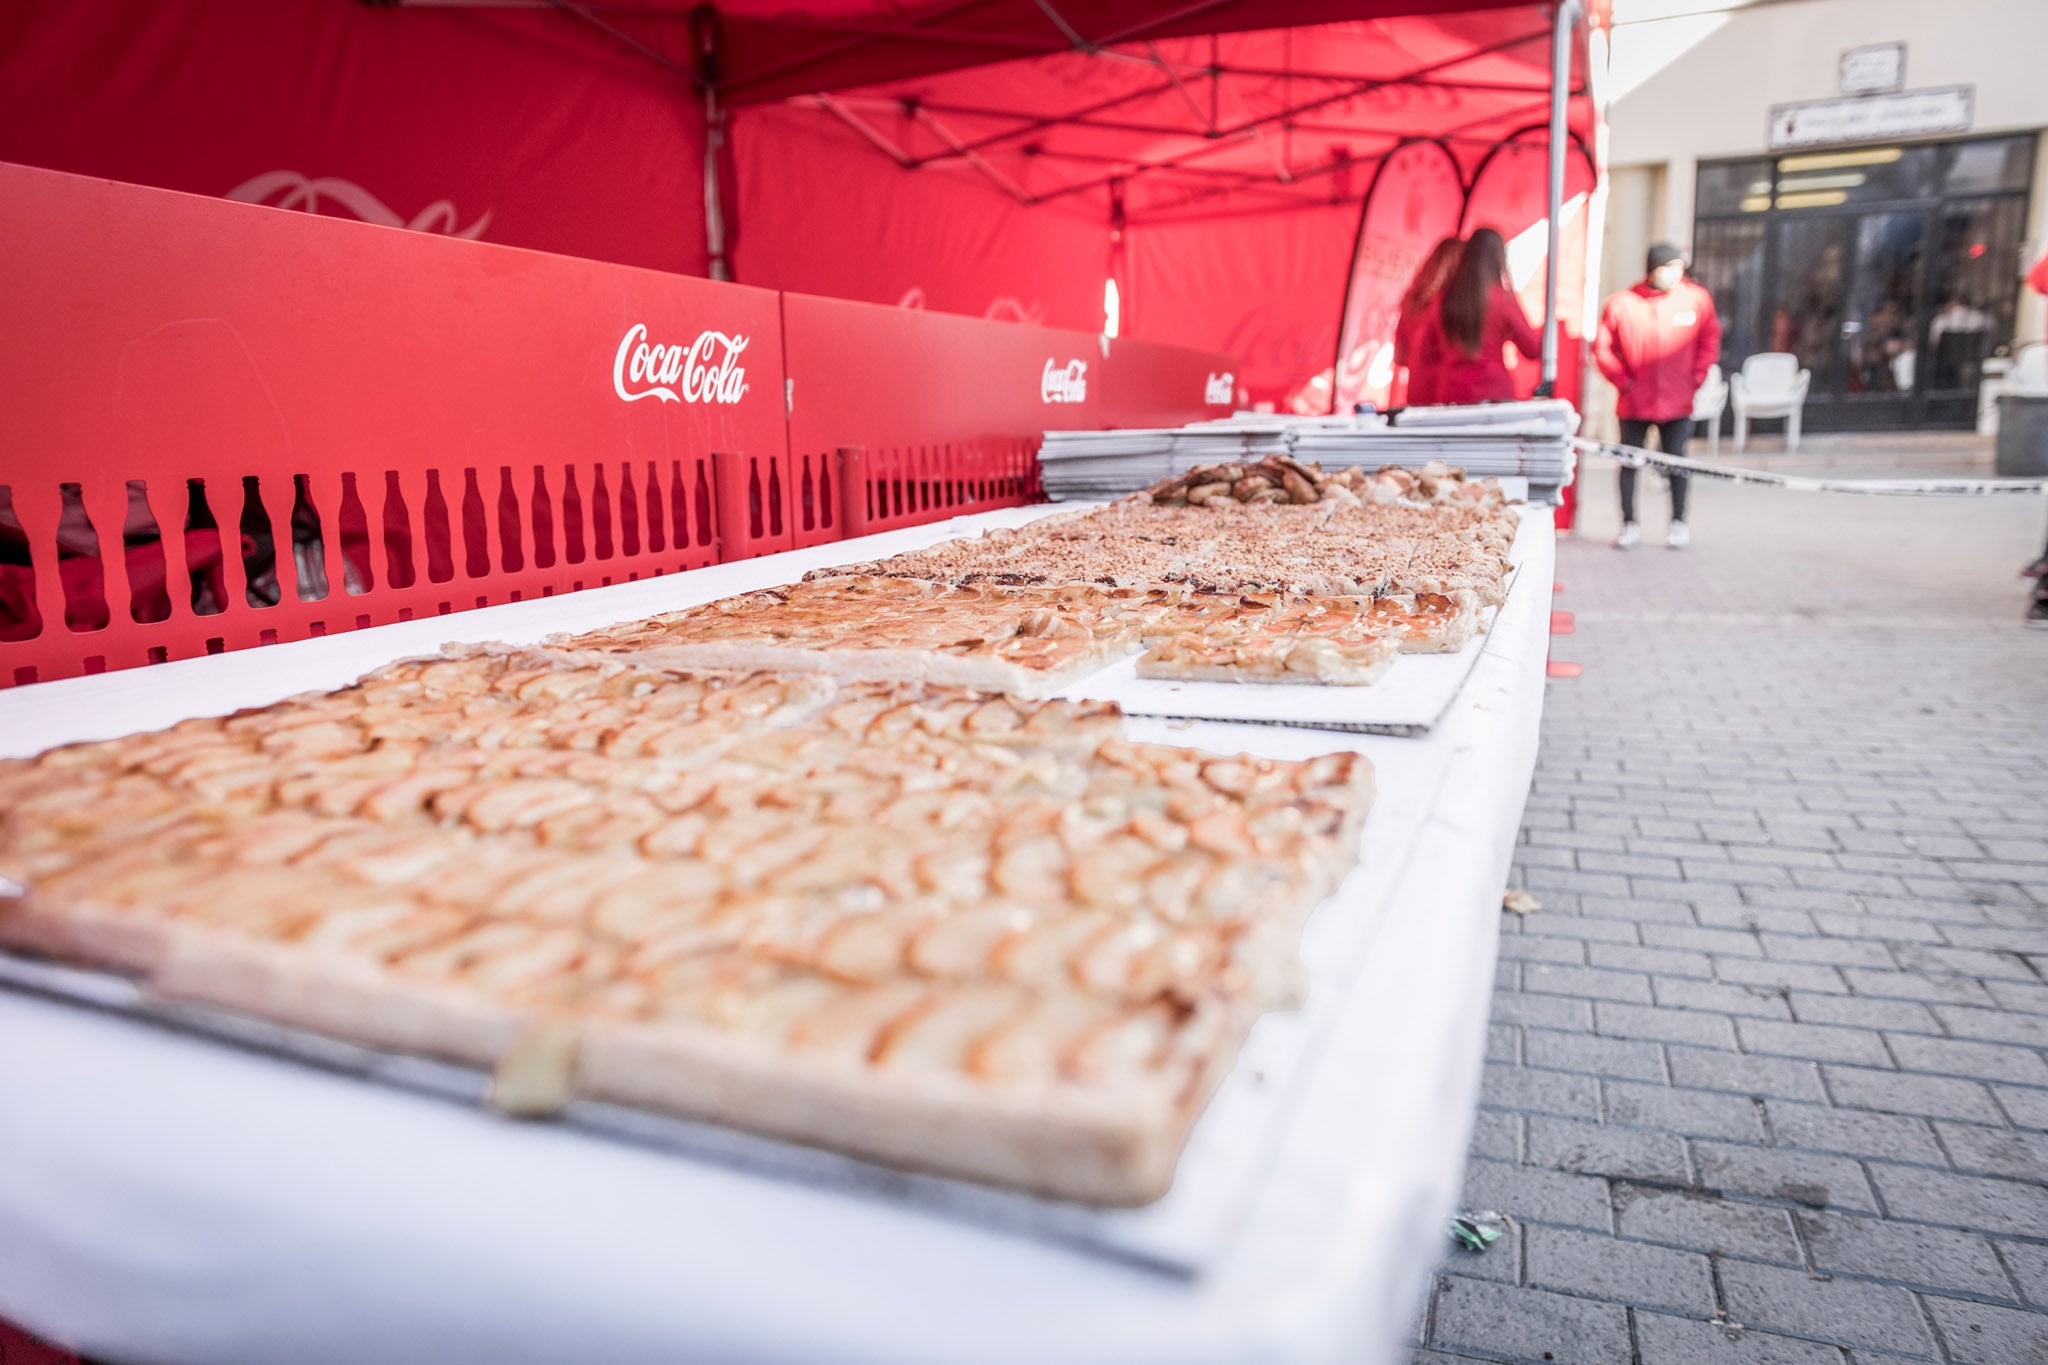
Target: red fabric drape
[[524, 128], [822, 212], [1264, 287]]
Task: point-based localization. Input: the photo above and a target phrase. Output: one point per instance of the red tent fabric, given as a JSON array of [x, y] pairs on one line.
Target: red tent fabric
[[1219, 178], [511, 126], [1001, 158]]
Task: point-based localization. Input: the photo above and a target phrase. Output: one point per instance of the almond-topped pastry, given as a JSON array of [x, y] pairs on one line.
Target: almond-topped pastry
[[954, 930], [1275, 638], [1216, 541], [1030, 641]]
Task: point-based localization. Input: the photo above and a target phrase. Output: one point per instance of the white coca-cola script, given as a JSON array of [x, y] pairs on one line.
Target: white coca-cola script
[[1064, 385], [1219, 388], [708, 370]]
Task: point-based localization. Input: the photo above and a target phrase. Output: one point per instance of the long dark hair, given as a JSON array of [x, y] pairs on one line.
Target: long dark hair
[[1482, 268], [1432, 275]]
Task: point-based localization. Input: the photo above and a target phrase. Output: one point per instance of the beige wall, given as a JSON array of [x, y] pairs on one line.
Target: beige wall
[[1695, 79], [1635, 219]]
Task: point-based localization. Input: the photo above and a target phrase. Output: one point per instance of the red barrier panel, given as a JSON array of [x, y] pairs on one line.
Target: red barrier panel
[[899, 416], [224, 425], [376, 424]]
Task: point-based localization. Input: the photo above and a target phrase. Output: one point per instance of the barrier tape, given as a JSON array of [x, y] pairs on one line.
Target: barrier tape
[[1637, 457]]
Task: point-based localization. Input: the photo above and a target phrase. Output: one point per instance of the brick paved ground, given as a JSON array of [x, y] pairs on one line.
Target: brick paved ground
[[1767, 1079]]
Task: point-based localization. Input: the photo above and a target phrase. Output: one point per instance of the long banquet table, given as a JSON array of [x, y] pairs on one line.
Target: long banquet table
[[165, 1197]]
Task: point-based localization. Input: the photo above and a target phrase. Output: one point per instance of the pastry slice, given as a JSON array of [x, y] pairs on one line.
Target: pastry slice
[[1024, 641], [1286, 640]]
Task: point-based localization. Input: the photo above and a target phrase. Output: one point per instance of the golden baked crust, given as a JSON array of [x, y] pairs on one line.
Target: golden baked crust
[[1332, 548], [968, 933], [1028, 641], [1273, 638]]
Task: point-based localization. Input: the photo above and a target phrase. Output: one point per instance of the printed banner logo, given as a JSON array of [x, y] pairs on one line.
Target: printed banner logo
[[315, 194], [1220, 388], [1064, 385], [708, 370]]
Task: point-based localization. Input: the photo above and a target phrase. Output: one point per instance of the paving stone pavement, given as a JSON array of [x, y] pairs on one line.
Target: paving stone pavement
[[1768, 1072]]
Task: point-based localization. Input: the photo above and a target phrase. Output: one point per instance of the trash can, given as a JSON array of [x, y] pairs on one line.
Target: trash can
[[2022, 436]]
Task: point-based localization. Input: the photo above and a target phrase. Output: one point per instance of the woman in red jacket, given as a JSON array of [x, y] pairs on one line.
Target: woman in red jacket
[[1475, 317], [1414, 322]]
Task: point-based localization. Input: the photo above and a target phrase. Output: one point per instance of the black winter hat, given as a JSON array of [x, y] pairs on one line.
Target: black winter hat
[[1662, 254]]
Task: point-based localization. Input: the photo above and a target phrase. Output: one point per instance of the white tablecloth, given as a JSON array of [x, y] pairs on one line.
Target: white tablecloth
[[169, 1199]]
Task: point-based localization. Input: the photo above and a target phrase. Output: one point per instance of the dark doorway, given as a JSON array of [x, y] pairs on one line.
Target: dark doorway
[[1891, 272]]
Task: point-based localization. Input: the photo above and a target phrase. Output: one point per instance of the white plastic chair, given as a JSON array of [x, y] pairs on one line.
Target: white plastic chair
[[1707, 405], [2030, 371], [1770, 384]]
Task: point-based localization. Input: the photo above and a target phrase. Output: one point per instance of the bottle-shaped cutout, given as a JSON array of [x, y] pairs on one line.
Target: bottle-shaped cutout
[[543, 521], [657, 540], [476, 534], [437, 534], [20, 617], [808, 498], [309, 542], [572, 517], [259, 548], [703, 501], [511, 547], [629, 512], [142, 549], [679, 505], [398, 567], [754, 526], [774, 500], [204, 564], [78, 563], [357, 577], [825, 514], [600, 514]]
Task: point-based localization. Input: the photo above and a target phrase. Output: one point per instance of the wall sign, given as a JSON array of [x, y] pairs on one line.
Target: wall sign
[[1878, 69], [1873, 118]]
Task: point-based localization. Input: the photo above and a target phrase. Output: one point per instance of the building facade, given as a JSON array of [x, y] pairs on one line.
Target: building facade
[[1863, 183]]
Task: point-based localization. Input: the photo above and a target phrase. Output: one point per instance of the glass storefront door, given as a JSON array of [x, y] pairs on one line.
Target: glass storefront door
[[1881, 317], [1891, 272]]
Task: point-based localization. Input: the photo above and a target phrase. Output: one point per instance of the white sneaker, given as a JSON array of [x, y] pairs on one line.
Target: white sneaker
[[1680, 537], [1630, 537]]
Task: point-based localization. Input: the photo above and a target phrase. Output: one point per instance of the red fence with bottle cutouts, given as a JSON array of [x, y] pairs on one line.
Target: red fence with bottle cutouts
[[224, 426], [911, 415]]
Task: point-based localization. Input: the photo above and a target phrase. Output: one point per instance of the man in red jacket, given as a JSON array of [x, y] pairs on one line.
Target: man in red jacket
[[1658, 339]]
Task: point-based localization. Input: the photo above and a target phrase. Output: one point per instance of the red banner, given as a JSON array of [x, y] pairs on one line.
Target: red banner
[[1415, 202]]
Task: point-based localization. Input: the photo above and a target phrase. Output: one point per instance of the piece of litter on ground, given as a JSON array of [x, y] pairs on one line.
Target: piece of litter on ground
[[1475, 1232], [1520, 901]]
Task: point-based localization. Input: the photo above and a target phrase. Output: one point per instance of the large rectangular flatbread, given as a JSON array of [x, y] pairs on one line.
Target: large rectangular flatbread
[[958, 932]]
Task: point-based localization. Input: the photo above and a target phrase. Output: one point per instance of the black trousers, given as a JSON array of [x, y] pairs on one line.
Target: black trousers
[[1671, 439]]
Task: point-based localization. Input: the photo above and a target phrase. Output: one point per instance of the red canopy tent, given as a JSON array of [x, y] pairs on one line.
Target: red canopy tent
[[1235, 168], [1252, 184]]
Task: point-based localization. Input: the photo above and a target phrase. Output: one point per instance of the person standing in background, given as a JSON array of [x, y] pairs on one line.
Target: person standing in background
[[1658, 339], [1460, 349], [2037, 606], [1430, 279]]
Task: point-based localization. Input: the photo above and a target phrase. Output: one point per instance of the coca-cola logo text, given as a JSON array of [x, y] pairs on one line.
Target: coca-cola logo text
[[1064, 385], [1220, 388], [708, 370]]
